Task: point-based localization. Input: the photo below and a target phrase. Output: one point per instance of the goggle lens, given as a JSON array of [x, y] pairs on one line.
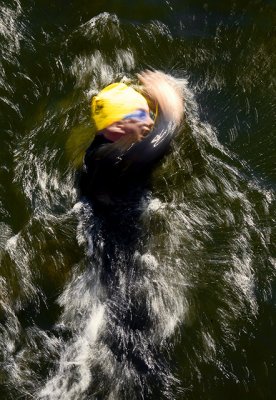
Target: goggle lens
[[139, 114]]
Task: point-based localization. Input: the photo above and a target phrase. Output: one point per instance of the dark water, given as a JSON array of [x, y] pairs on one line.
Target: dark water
[[179, 300]]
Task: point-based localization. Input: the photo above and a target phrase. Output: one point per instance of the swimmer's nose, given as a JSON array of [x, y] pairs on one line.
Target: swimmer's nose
[[147, 126], [149, 122]]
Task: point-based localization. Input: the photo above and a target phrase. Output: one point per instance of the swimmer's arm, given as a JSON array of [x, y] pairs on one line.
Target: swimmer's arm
[[153, 146], [162, 91]]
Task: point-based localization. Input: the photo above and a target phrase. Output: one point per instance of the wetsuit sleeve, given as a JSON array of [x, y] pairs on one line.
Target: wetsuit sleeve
[[139, 154]]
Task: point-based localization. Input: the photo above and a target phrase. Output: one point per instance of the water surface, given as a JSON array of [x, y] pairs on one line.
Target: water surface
[[176, 300]]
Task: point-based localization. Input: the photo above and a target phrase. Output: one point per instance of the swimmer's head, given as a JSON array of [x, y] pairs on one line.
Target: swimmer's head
[[118, 102]]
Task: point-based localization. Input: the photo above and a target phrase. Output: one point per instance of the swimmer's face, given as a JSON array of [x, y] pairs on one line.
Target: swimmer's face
[[138, 123]]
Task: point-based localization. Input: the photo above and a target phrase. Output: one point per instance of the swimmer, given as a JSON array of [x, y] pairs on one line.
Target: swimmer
[[128, 141]]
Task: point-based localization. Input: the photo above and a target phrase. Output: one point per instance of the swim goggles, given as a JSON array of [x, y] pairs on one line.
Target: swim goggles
[[141, 115]]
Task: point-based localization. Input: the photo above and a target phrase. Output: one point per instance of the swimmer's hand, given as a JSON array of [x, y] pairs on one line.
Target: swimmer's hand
[[160, 88]]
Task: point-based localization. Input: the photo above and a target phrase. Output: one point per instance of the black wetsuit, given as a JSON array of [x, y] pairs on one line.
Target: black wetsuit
[[112, 174]]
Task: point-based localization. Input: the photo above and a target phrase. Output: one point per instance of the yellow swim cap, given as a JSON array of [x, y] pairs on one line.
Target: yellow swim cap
[[114, 102]]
